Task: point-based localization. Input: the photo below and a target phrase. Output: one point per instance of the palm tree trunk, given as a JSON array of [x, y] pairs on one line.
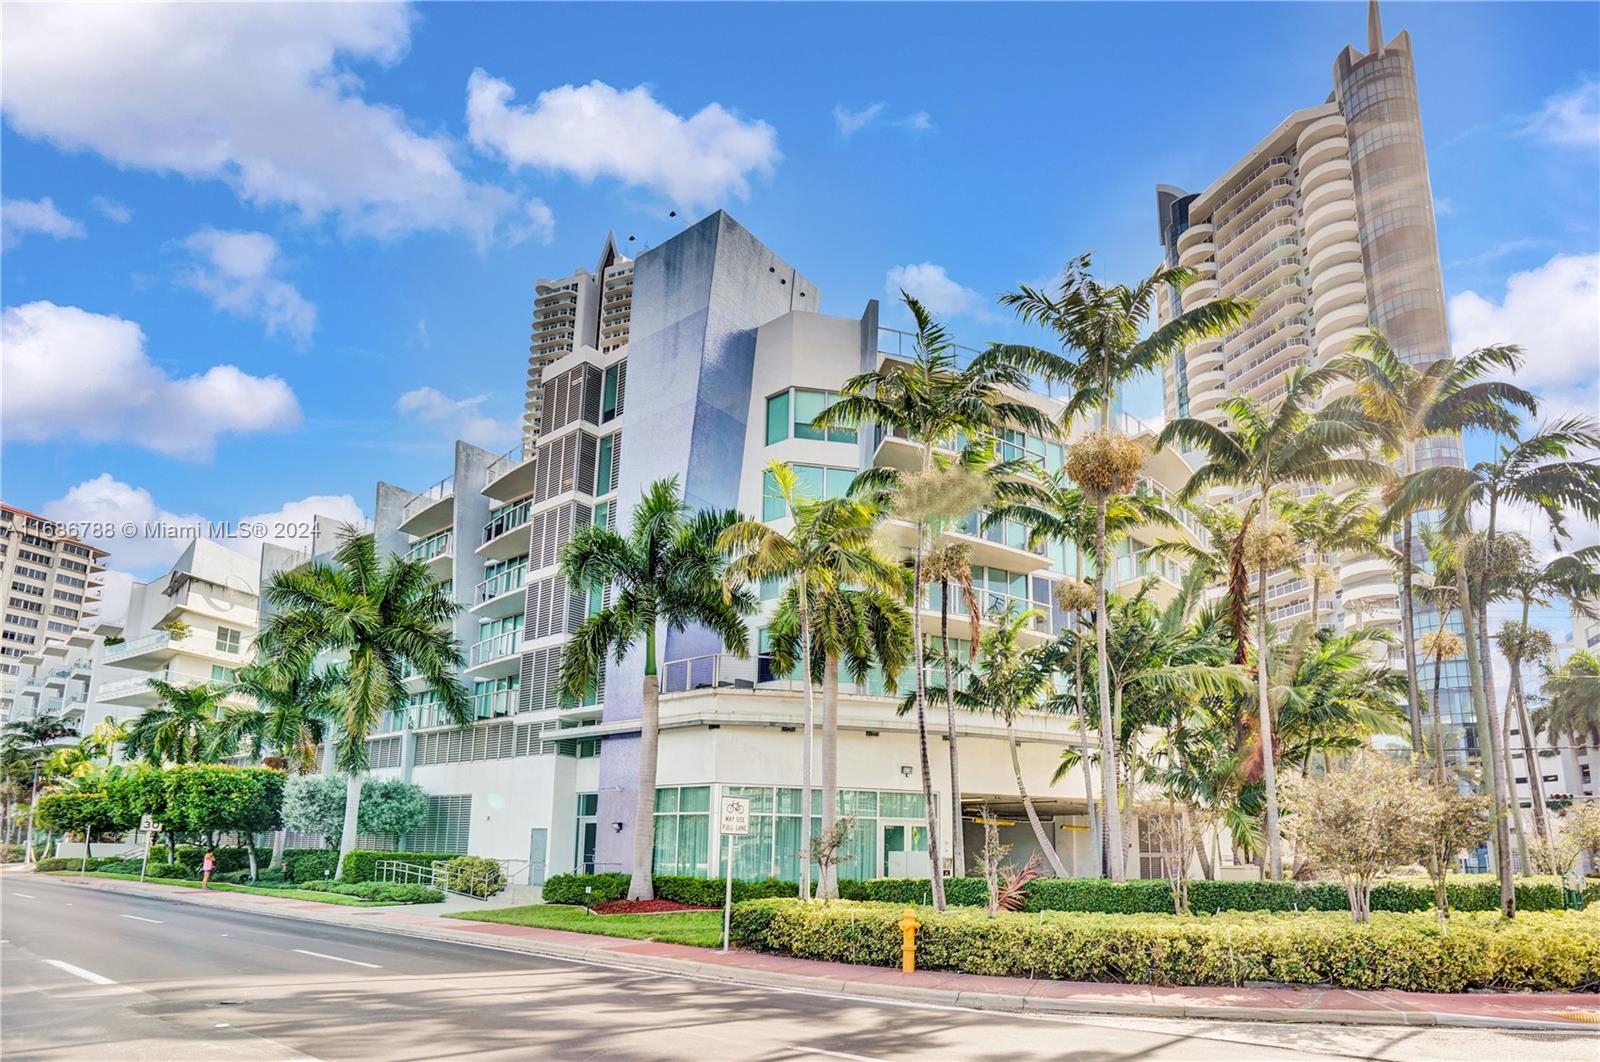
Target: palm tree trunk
[[958, 854], [935, 876], [1111, 815], [1438, 724], [1518, 825], [808, 738], [1027, 805], [1408, 634], [828, 887], [1269, 769], [641, 883], [1541, 820], [352, 812], [1492, 776], [1096, 827], [279, 842]]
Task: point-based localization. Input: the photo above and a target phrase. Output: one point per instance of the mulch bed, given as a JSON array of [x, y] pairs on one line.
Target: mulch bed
[[612, 907]]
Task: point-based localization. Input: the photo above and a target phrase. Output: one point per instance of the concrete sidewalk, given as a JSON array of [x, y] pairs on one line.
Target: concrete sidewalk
[[1332, 1005]]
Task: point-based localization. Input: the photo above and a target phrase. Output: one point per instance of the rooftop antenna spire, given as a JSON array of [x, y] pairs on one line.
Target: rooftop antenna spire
[[1374, 29]]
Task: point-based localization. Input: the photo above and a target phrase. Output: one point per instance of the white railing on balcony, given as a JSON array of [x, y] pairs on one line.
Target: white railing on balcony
[[155, 640], [994, 604], [494, 648], [508, 520], [505, 463], [430, 547], [493, 705], [424, 498], [507, 581], [138, 684], [903, 345]]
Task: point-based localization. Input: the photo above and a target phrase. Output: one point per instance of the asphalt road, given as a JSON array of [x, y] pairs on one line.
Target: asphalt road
[[105, 976]]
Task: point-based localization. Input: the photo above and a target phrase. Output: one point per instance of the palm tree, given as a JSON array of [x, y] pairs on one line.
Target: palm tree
[[180, 728], [936, 404], [290, 717], [1099, 329], [1266, 448], [829, 545], [666, 571], [949, 567], [1571, 710], [1407, 405], [1439, 646], [26, 743], [1330, 523], [383, 619], [855, 631]]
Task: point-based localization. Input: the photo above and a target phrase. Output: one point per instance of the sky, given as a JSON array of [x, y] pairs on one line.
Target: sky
[[256, 258]]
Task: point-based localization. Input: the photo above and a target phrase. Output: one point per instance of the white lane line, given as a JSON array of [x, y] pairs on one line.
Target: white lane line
[[834, 1054], [152, 921], [25, 895], [335, 958], [78, 971]]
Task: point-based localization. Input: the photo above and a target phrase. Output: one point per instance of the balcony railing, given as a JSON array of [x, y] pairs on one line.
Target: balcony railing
[[495, 704], [438, 492], [496, 647], [140, 683], [430, 547], [505, 463], [507, 581], [508, 520], [156, 640]]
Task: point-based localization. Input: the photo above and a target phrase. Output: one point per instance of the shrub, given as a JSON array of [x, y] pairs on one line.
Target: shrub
[[316, 886], [475, 876], [681, 888], [1552, 951], [228, 859], [362, 864], [175, 871], [60, 863], [121, 866], [388, 893], [13, 853], [309, 864], [569, 888]]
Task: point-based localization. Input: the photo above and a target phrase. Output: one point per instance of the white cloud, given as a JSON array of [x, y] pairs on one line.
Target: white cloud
[[24, 217], [260, 96], [920, 122], [105, 501], [933, 287], [238, 272], [595, 130], [111, 210], [854, 121], [1570, 119], [540, 224], [463, 418], [69, 372]]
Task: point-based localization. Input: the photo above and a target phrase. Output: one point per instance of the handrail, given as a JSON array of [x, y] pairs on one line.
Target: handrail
[[139, 645], [433, 546], [495, 647], [1261, 167], [426, 497]]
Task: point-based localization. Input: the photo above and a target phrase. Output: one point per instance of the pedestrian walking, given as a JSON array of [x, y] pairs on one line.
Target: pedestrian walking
[[206, 867]]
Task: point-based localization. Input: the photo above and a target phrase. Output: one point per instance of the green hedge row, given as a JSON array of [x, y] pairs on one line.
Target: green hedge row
[[1467, 892], [362, 864], [1544, 951], [387, 892], [309, 864], [701, 892]]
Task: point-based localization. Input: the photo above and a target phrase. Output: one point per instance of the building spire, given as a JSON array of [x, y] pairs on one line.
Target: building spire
[[1374, 29]]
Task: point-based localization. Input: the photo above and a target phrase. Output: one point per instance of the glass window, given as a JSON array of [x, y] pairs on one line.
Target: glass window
[[227, 640], [772, 506], [694, 798], [222, 674], [666, 800], [836, 482], [602, 514], [602, 466], [608, 393], [807, 406], [778, 417], [809, 480]]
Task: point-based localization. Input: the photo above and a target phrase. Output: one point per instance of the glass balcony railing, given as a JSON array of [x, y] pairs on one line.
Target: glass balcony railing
[[507, 581], [496, 647], [155, 640], [431, 547]]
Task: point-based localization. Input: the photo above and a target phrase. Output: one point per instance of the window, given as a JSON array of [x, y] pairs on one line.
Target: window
[[228, 640], [494, 697], [683, 831], [448, 827], [612, 391], [602, 466], [805, 405], [222, 674], [814, 481]]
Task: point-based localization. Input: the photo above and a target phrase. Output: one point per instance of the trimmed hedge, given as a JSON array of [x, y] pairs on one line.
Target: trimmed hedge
[[228, 859], [309, 864], [1467, 892], [362, 864], [679, 888], [383, 891], [1544, 951], [55, 864]]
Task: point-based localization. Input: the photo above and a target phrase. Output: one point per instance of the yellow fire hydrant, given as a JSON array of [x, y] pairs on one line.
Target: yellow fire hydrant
[[908, 940]]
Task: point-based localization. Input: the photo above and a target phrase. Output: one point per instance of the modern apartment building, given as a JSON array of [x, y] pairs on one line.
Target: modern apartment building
[[586, 309], [724, 359], [1327, 223], [52, 584]]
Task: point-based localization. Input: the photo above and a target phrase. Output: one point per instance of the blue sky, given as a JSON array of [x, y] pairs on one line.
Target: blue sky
[[349, 205]]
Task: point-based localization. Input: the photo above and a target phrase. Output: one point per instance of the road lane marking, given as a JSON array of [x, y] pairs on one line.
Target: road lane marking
[[78, 971], [335, 958], [25, 895], [834, 1054], [140, 918]]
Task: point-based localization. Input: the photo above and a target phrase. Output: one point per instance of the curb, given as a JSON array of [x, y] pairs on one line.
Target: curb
[[828, 985]]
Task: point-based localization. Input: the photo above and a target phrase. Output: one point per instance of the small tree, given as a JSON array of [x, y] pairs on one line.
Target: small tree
[[1452, 821], [988, 858], [139, 790], [84, 813], [1166, 827], [315, 804], [1359, 821], [827, 851], [1572, 834], [390, 806], [211, 798]]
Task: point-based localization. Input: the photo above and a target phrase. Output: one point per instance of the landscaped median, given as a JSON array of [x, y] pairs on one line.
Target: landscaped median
[[366, 894], [1545, 951]]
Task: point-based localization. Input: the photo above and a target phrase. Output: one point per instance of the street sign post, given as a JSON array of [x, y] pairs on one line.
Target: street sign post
[[734, 821], [150, 826]]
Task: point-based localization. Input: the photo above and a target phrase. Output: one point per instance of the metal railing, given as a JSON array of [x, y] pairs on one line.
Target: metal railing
[[431, 547], [139, 684], [505, 463], [475, 884], [496, 647], [508, 519], [157, 640], [424, 498], [507, 581]]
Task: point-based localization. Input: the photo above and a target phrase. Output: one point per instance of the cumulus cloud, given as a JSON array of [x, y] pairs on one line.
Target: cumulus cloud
[[111, 210], [595, 130], [260, 96], [108, 501], [932, 286], [462, 418], [1553, 313], [238, 271], [69, 372], [20, 218], [539, 223], [1570, 119], [851, 121]]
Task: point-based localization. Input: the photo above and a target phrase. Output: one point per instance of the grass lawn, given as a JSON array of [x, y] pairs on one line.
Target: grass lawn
[[700, 928], [219, 886]]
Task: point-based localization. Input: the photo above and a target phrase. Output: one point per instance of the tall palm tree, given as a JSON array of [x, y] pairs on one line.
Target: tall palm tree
[[1329, 523], [1098, 327], [1407, 405], [1437, 647], [383, 619], [180, 728], [665, 572], [830, 544], [1266, 448], [26, 743], [854, 631], [949, 567], [935, 403], [1570, 714]]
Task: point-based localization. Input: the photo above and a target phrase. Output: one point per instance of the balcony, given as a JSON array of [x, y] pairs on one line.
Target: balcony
[[430, 509], [158, 645], [496, 655], [137, 691], [439, 547], [494, 705], [511, 476], [500, 538], [501, 595]]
